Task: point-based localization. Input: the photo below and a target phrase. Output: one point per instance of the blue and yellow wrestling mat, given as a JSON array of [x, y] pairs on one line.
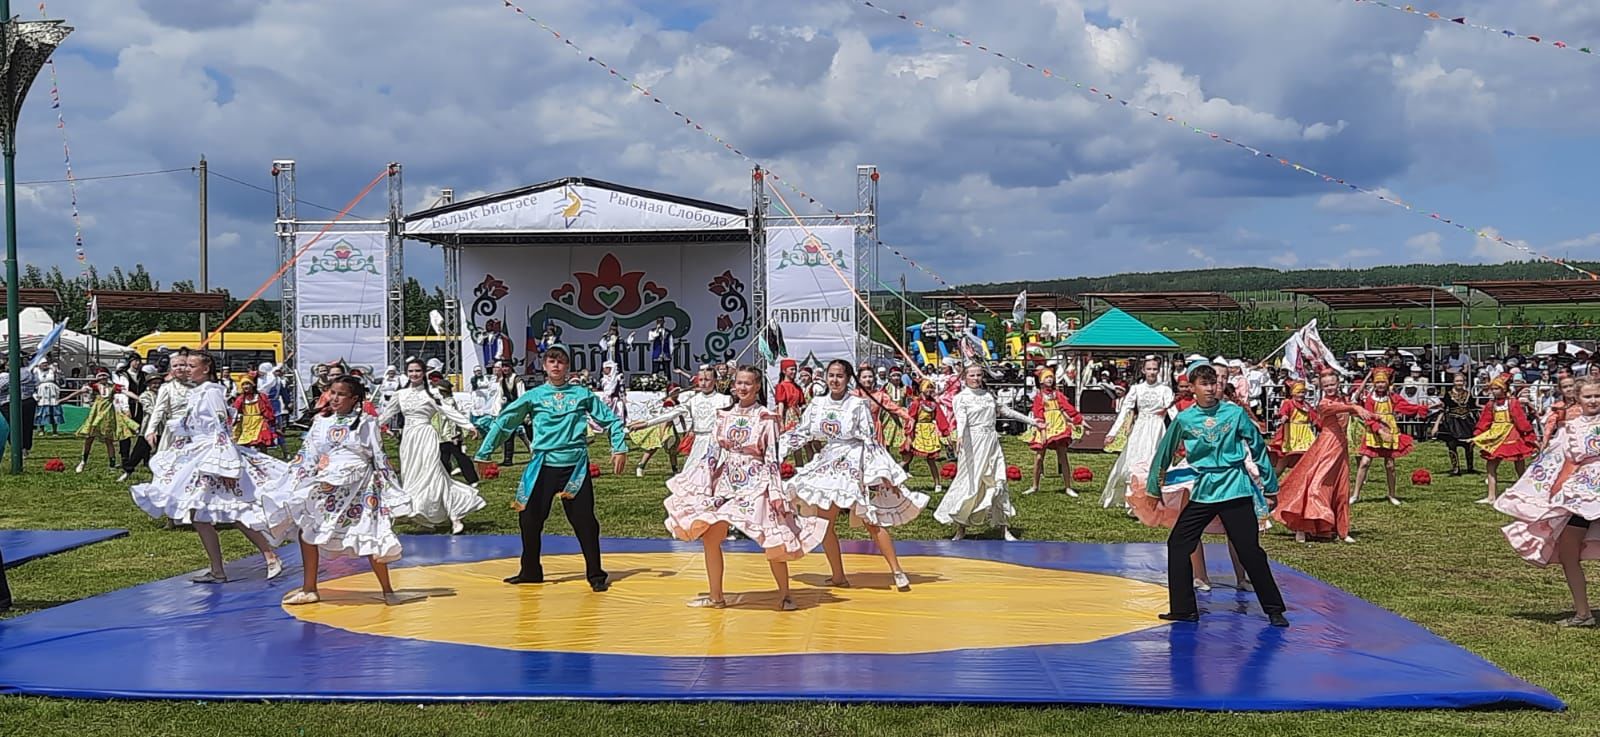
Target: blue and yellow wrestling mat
[[984, 622], [21, 546]]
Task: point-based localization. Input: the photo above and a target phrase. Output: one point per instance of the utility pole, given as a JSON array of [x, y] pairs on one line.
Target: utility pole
[[204, 237]]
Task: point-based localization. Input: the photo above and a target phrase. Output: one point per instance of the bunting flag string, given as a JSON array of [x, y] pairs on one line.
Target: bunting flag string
[[1382, 327], [66, 155], [1102, 95], [1463, 22], [727, 145]]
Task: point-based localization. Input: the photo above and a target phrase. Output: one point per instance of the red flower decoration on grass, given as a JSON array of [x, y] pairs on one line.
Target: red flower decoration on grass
[[594, 470], [786, 470], [1082, 473], [1421, 477], [1013, 473], [490, 471], [947, 471], [55, 465]]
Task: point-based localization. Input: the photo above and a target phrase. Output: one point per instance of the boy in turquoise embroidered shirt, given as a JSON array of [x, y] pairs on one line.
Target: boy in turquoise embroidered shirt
[[1220, 443], [559, 465]]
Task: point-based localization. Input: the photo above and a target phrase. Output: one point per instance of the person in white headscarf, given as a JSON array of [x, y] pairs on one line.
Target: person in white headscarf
[[390, 384], [614, 390]]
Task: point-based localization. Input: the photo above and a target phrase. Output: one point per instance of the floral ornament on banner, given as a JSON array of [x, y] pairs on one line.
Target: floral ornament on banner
[[732, 325], [626, 297], [1270, 158], [765, 172], [1462, 21]]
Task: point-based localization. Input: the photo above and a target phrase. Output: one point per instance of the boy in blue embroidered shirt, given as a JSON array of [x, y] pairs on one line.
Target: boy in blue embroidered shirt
[[559, 465], [1219, 439]]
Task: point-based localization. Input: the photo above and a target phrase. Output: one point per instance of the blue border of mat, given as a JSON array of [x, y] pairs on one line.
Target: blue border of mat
[[21, 546], [175, 640]]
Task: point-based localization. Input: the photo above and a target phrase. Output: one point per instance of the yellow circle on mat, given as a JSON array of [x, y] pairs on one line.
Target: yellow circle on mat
[[954, 604]]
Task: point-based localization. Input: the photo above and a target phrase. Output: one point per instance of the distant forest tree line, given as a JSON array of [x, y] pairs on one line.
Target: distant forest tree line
[[1252, 279]]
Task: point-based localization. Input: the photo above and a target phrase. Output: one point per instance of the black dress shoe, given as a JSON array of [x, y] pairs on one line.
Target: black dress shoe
[[1171, 617], [1278, 620], [600, 585], [519, 579]]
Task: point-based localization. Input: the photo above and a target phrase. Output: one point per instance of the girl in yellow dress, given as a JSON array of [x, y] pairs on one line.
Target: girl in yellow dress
[[1062, 424], [1295, 435], [105, 422], [252, 426], [928, 430]]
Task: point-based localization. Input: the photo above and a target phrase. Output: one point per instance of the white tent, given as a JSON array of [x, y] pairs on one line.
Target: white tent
[[72, 350]]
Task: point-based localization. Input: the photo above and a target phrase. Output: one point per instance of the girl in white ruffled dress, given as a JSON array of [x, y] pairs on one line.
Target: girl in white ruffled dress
[[738, 486], [435, 496], [852, 472], [341, 493], [203, 478], [979, 488], [1555, 504]]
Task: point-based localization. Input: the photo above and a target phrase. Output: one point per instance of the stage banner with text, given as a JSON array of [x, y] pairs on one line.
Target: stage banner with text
[[340, 302], [808, 304], [699, 292]]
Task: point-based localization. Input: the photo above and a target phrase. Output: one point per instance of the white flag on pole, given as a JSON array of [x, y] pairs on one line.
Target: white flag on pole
[[1305, 355]]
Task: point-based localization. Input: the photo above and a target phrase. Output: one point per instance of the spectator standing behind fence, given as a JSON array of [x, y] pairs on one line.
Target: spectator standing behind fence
[[1457, 360]]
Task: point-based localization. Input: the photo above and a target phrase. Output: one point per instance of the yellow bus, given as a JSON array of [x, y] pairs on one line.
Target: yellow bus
[[239, 352]]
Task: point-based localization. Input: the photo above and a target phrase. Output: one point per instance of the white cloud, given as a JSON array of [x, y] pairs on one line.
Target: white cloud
[[1342, 228], [1424, 247]]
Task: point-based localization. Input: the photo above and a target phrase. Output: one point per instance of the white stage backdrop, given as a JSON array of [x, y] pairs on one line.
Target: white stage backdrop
[[515, 291], [808, 304], [340, 306]]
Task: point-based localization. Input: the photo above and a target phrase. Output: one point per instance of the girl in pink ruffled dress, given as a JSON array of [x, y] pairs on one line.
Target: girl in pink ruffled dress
[[1555, 502], [739, 485]]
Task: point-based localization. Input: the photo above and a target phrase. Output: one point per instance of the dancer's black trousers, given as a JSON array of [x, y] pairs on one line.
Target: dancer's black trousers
[[138, 454], [1239, 521], [580, 513], [451, 453], [30, 407]]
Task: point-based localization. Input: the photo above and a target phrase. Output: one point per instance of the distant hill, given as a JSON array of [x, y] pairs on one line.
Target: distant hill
[[1250, 279]]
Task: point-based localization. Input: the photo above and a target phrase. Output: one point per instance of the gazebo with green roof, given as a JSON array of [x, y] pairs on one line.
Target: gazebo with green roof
[[1115, 333]]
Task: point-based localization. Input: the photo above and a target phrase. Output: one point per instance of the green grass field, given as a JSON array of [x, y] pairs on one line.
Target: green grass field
[[1439, 560]]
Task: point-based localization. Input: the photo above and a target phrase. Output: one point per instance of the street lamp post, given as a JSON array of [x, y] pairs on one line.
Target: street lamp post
[[26, 45]]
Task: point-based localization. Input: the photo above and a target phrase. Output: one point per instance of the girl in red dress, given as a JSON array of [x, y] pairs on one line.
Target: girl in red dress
[[790, 399], [1061, 422], [1504, 434], [1314, 496], [1388, 446]]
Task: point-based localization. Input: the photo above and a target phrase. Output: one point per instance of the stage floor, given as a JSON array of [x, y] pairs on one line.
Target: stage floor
[[984, 622], [21, 546]]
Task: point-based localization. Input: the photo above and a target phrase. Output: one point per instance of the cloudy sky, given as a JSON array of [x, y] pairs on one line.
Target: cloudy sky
[[989, 172]]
